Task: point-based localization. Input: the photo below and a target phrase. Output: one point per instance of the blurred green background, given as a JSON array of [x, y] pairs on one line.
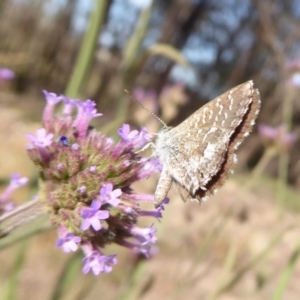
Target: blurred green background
[[173, 56]]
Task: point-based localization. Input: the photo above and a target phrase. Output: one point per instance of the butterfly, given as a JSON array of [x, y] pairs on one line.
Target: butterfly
[[198, 154]]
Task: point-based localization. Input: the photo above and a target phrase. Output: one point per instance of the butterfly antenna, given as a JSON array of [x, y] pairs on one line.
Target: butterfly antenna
[[146, 109]]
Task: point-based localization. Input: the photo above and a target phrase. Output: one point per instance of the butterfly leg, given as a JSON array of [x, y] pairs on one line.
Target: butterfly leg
[[146, 147], [163, 187]]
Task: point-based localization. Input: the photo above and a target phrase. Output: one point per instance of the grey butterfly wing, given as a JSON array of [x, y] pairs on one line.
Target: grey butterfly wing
[[225, 111], [190, 162], [198, 154], [193, 161]]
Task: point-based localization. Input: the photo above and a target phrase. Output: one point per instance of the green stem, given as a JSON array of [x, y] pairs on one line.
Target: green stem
[[269, 153], [87, 49], [131, 55], [287, 113]]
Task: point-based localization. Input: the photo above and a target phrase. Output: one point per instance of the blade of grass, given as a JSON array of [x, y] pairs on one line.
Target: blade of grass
[[287, 273], [254, 261], [67, 277], [16, 269], [228, 265], [217, 228], [129, 292], [169, 52]]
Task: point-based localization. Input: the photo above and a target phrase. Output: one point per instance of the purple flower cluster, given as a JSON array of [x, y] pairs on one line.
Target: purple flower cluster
[[277, 136], [6, 74], [86, 182]]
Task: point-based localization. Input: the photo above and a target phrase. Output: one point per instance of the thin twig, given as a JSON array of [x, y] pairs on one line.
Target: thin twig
[[21, 215]]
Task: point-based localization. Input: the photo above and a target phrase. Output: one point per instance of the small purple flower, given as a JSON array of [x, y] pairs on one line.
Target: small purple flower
[[136, 138], [69, 105], [93, 215], [89, 111], [144, 235], [82, 189], [16, 181], [51, 98], [277, 135], [150, 166], [267, 132], [127, 135], [75, 147], [86, 112], [161, 207], [137, 247], [144, 137], [98, 263], [59, 166], [144, 249], [156, 213], [41, 139], [108, 143], [9, 206], [69, 242], [107, 262], [141, 197], [93, 169], [6, 74], [110, 196]]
